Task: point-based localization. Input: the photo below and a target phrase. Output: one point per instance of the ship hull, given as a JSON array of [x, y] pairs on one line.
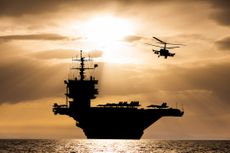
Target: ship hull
[[119, 123]]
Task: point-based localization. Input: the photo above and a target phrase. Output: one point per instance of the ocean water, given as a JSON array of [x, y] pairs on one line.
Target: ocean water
[[117, 146]]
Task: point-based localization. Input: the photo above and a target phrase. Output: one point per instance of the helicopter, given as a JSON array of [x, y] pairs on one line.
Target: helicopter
[[164, 50]]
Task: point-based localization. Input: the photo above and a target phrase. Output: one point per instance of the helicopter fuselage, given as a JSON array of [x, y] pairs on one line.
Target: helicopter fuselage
[[164, 52]]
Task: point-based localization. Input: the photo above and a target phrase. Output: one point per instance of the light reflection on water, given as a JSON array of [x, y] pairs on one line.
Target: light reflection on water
[[110, 146], [94, 146], [144, 146]]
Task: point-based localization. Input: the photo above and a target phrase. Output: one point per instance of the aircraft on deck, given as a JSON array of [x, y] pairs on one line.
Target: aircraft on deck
[[163, 105]]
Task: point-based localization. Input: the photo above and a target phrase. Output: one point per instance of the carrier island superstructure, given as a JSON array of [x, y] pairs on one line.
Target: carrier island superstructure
[[122, 120]]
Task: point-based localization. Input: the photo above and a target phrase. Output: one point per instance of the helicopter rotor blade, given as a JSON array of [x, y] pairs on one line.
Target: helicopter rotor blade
[[166, 42], [153, 45], [173, 47], [175, 44], [160, 40]]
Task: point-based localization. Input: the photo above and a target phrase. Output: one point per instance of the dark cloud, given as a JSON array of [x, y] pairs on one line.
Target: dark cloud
[[33, 37], [224, 44], [133, 38], [28, 7], [209, 79], [223, 12], [62, 54], [23, 7], [54, 54], [26, 79]]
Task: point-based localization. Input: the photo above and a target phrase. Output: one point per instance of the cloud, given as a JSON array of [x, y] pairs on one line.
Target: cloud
[[223, 12], [27, 79], [26, 76], [210, 79], [55, 54], [63, 53], [23, 7], [16, 8], [36, 14], [133, 38], [47, 36], [36, 7], [224, 44]]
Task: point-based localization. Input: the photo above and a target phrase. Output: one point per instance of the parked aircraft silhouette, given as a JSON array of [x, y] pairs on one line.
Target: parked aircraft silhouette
[[163, 105]]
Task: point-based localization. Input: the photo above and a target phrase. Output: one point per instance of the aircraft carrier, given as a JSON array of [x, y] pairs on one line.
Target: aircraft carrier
[[121, 120]]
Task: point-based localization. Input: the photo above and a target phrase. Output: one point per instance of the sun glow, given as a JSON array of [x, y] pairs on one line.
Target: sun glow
[[106, 33], [107, 29]]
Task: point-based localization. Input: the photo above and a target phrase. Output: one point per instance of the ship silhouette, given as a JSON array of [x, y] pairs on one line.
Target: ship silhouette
[[121, 120]]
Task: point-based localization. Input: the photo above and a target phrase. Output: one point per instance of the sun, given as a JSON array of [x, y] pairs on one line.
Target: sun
[[107, 29], [107, 34]]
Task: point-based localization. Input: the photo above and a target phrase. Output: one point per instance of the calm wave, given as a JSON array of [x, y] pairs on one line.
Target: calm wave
[[121, 146]]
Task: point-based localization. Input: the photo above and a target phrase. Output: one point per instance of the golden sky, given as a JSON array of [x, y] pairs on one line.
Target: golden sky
[[38, 39]]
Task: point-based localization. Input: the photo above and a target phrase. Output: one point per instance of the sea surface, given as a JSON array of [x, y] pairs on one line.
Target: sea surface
[[117, 146]]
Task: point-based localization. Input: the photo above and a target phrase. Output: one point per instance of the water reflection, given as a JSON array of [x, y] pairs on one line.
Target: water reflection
[[112, 146], [142, 146]]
